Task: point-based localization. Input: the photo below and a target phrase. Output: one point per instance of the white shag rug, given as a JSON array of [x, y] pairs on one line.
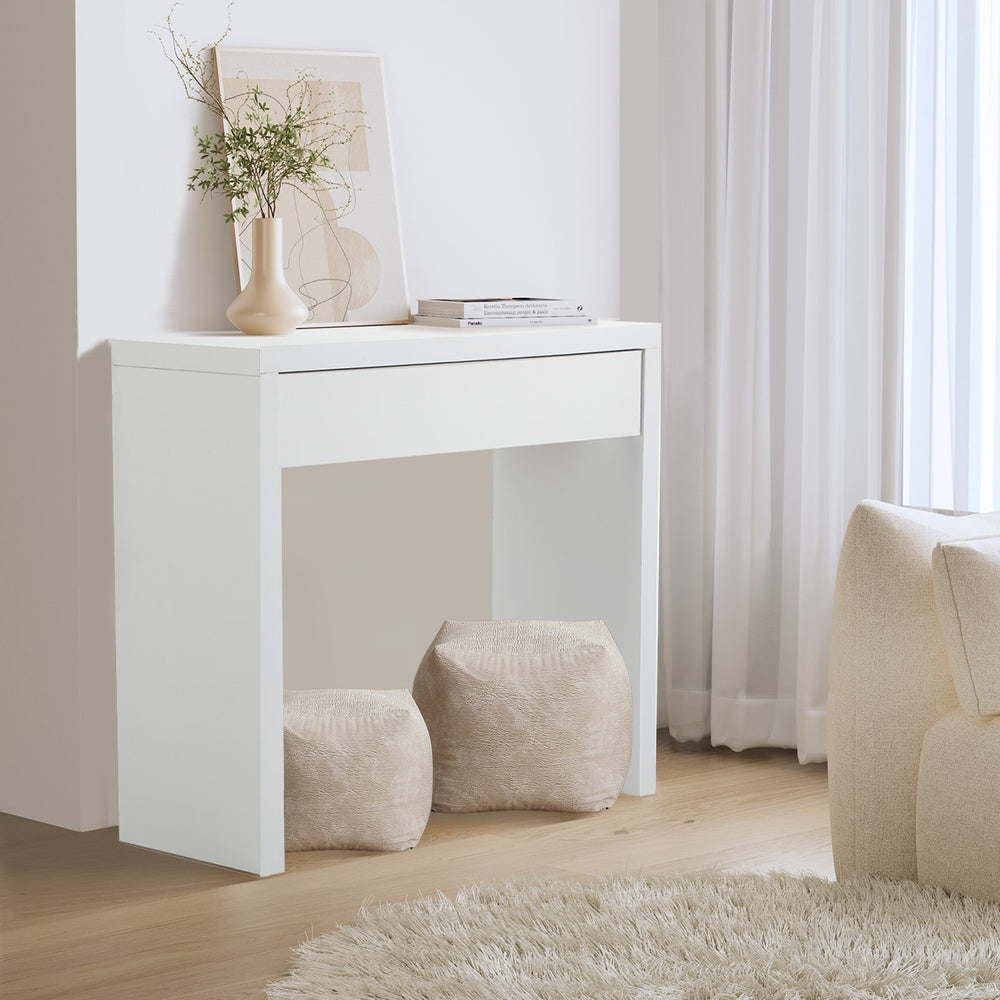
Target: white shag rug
[[703, 936]]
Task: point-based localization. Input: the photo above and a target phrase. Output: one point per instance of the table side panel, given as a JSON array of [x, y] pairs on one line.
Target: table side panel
[[198, 571], [646, 700], [567, 546], [345, 416]]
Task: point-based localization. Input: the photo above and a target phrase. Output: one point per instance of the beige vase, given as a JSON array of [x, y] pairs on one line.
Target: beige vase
[[267, 306]]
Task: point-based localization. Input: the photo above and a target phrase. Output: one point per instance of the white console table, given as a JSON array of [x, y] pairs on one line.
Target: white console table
[[203, 426]]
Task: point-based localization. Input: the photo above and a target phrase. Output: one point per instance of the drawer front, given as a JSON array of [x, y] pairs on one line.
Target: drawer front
[[371, 413]]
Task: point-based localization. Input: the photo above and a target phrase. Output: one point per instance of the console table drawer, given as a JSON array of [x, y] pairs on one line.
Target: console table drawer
[[349, 415]]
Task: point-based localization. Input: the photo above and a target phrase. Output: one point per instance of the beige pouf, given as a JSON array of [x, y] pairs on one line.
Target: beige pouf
[[357, 770], [526, 715]]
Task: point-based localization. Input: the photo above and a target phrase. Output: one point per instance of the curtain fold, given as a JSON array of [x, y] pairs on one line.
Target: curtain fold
[[781, 360]]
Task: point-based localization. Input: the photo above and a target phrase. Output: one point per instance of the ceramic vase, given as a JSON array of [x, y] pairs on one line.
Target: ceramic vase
[[267, 306]]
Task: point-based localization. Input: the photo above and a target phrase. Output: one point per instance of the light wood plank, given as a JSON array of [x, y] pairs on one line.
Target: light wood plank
[[84, 917]]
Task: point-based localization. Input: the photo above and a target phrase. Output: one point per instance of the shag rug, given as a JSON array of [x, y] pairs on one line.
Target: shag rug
[[703, 936]]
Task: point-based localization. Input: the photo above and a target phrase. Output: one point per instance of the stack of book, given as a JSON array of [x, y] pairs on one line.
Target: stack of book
[[500, 312]]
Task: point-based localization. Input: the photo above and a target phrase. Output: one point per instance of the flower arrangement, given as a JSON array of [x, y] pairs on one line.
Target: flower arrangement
[[265, 143]]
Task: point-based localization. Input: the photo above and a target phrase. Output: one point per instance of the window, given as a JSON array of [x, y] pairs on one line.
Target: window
[[952, 168]]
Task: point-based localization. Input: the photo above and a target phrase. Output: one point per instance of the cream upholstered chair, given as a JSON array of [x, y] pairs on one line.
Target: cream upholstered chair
[[914, 709]]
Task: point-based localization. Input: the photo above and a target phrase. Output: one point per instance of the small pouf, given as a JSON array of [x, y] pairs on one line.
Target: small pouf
[[357, 770], [526, 715]]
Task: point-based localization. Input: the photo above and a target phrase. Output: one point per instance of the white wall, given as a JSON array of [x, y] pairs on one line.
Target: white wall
[[504, 121], [39, 680], [641, 243]]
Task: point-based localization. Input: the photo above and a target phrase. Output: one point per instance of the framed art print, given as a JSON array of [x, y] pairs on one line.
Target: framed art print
[[342, 249]]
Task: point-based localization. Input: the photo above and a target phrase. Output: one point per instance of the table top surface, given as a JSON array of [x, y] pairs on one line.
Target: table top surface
[[331, 348]]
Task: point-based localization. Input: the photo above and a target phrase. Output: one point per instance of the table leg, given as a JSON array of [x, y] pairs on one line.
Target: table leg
[[574, 538], [198, 607]]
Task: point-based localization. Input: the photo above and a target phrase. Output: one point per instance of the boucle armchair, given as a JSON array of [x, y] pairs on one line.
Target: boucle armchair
[[914, 707]]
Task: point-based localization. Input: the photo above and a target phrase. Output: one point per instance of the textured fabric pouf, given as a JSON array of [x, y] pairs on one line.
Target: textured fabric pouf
[[526, 715], [357, 770]]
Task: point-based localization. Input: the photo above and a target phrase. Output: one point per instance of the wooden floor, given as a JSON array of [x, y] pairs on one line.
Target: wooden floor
[[84, 917]]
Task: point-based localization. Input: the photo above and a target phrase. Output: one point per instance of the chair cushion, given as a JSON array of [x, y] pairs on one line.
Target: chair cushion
[[958, 801], [967, 595]]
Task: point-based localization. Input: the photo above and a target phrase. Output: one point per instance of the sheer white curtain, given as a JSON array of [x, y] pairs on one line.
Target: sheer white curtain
[[952, 255], [781, 208]]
